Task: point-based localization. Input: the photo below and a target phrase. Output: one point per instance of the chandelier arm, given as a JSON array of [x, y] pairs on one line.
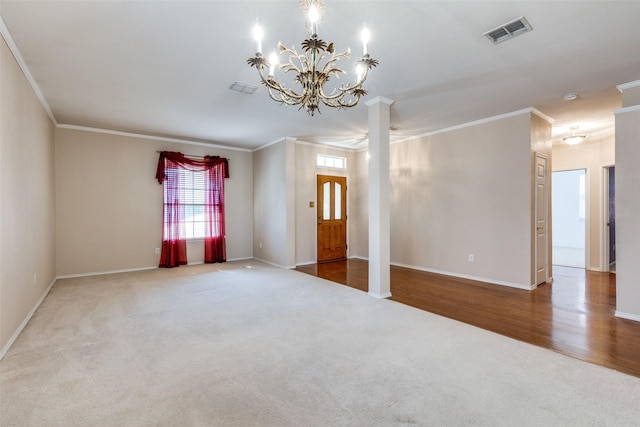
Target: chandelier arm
[[344, 89], [290, 66], [340, 92], [342, 104], [335, 94], [291, 51], [303, 60], [282, 94], [274, 85], [337, 100], [279, 97], [335, 57]]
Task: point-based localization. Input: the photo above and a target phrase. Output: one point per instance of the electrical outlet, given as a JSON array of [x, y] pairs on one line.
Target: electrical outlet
[[157, 251], [260, 245], [472, 258]]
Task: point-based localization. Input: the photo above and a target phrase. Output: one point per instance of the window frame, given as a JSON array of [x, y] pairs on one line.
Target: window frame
[[329, 161], [191, 197]]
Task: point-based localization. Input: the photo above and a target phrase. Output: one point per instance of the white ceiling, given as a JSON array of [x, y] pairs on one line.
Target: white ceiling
[[164, 68]]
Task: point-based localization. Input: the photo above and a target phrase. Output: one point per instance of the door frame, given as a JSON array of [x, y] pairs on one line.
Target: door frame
[[587, 216], [346, 212], [547, 197], [604, 224]]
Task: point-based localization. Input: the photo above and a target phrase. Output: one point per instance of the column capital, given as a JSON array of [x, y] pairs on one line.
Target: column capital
[[630, 94], [379, 100], [629, 85]]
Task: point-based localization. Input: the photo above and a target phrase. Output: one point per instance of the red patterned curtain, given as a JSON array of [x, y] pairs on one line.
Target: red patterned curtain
[[214, 240], [174, 241]]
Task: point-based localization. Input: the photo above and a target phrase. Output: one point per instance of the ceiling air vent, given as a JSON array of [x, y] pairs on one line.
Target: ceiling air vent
[[243, 87], [509, 30]]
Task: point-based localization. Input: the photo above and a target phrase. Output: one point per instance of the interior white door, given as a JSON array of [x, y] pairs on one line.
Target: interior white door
[[542, 219]]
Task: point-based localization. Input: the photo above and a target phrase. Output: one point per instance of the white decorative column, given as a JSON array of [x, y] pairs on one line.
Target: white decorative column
[[628, 202], [379, 234]]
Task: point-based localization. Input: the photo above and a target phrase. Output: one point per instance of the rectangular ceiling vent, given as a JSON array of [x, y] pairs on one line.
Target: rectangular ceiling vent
[[509, 30], [243, 87]]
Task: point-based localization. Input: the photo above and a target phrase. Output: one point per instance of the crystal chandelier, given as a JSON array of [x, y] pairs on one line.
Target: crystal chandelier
[[313, 68]]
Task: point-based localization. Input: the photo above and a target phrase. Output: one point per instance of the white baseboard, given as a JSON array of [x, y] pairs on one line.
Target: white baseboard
[[315, 262], [26, 320], [229, 260], [379, 296], [465, 276], [239, 259], [274, 264], [129, 270], [628, 316], [99, 273], [462, 276]]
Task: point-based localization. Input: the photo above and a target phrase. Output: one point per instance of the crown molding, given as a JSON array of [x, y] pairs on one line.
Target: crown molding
[[629, 85], [143, 136], [325, 145], [529, 110], [542, 115], [8, 38], [627, 109], [269, 144]]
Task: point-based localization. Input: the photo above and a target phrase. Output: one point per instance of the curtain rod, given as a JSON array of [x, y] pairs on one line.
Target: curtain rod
[[187, 155]]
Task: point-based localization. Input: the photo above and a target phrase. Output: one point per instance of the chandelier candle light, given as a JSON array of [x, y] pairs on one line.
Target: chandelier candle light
[[313, 68]]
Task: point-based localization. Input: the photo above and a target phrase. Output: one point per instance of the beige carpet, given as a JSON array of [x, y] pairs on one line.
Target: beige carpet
[[229, 345]]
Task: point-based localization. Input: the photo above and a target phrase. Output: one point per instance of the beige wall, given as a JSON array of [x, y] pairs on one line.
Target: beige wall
[[272, 204], [27, 200], [284, 184], [306, 173], [359, 228], [466, 191], [593, 154], [109, 204]]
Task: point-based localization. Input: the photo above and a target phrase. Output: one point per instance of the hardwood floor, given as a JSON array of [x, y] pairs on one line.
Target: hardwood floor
[[574, 315]]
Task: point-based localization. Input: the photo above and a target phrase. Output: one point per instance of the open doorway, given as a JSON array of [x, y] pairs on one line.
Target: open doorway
[[609, 246], [569, 213]]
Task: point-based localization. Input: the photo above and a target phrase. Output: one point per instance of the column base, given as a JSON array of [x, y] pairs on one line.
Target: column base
[[379, 296]]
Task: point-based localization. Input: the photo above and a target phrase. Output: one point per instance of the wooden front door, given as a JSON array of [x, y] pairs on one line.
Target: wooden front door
[[332, 218]]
